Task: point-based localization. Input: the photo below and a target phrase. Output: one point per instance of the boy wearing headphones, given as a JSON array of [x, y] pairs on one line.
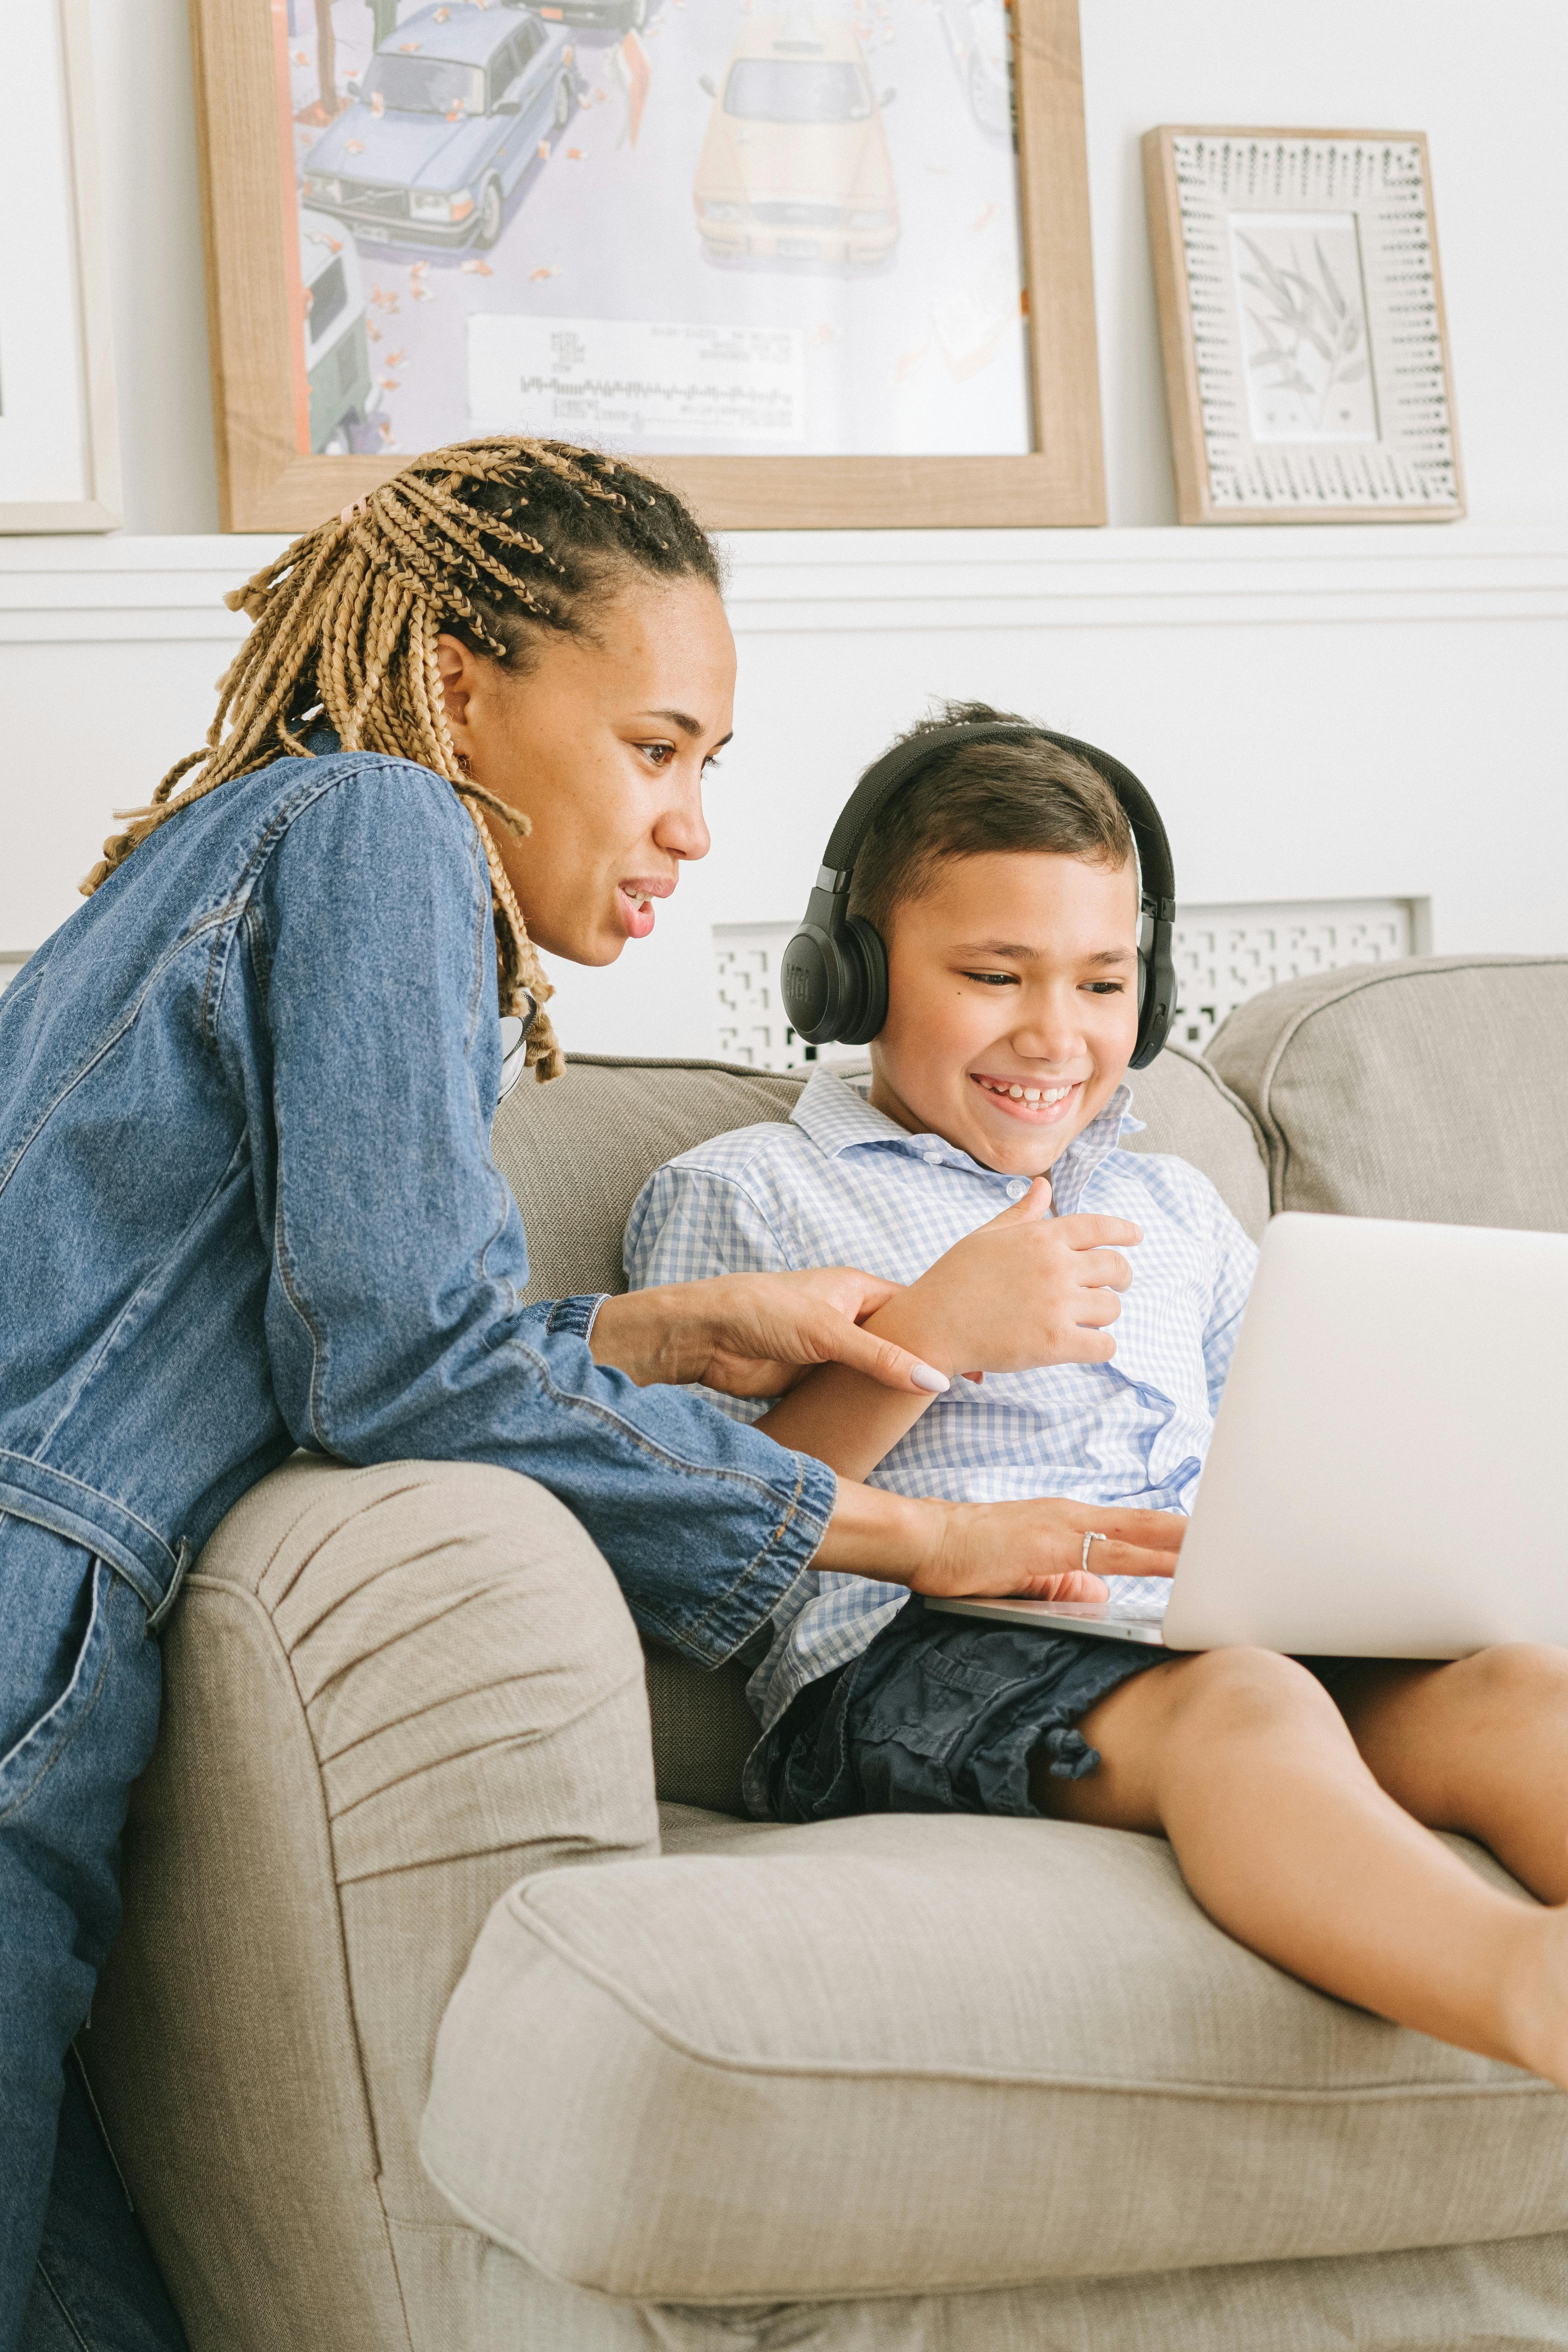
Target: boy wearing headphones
[[980, 1167]]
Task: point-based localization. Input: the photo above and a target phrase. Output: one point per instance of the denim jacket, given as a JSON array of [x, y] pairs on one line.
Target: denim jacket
[[248, 1204]]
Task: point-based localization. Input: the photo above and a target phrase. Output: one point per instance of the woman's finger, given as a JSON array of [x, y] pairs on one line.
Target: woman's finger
[[1129, 1560], [842, 1342], [847, 1288], [1074, 1586], [1149, 1530], [875, 1295]]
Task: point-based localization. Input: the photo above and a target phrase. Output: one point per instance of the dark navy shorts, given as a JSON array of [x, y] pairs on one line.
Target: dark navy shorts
[[942, 1715]]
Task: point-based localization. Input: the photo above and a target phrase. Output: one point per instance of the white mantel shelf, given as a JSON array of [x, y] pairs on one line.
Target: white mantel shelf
[[74, 591]]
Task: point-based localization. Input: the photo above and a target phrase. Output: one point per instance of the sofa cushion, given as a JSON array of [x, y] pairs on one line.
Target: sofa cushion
[[578, 1152], [1435, 1088], [906, 2053]]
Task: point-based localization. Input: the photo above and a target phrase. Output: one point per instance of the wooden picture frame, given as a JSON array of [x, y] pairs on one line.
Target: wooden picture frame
[[78, 484], [1301, 324], [267, 482]]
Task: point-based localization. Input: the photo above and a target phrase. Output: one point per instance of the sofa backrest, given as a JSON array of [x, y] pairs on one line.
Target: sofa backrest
[[1435, 1089]]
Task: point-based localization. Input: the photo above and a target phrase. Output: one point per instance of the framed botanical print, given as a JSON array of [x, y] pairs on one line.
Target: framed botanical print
[[1301, 320], [817, 265], [59, 451]]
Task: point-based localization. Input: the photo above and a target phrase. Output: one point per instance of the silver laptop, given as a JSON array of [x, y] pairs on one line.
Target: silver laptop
[[1389, 1472]]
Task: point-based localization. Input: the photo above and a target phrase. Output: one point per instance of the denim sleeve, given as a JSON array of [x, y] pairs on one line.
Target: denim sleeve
[[395, 1324]]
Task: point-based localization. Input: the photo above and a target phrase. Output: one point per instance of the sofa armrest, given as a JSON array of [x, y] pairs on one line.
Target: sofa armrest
[[389, 1693]]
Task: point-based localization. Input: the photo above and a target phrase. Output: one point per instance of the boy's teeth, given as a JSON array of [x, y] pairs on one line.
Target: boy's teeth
[[1036, 1094]]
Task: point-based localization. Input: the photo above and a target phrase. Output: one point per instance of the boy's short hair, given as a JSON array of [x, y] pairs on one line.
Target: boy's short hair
[[976, 798]]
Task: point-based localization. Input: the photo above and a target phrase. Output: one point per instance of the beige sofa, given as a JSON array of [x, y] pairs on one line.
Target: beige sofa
[[430, 2028]]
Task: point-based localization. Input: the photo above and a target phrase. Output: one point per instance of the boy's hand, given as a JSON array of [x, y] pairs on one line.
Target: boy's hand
[[1024, 1290]]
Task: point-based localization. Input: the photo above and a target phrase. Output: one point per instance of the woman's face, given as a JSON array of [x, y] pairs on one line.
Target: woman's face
[[602, 742]]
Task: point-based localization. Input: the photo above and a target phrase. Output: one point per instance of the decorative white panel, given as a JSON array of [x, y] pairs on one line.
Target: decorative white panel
[[1226, 954], [1223, 956], [751, 1024]]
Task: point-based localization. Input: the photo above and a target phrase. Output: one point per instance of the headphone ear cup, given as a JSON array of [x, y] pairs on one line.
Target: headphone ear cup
[[866, 973], [1156, 996], [810, 977]]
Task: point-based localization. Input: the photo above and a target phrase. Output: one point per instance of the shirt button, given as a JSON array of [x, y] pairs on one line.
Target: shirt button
[[932, 1159], [1015, 1190]]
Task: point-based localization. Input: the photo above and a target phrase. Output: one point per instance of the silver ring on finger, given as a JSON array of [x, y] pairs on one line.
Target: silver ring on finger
[[1093, 1537]]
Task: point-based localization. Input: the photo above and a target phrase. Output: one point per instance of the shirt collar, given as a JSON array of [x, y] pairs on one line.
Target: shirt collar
[[835, 1114]]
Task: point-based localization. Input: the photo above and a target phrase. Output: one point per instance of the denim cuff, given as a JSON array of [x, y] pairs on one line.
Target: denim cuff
[[770, 1576], [575, 1317]]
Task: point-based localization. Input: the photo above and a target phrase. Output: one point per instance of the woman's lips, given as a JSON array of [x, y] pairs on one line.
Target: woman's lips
[[634, 901], [1037, 1104]]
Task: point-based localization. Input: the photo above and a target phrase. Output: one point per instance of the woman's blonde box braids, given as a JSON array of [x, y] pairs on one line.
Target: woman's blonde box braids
[[345, 623]]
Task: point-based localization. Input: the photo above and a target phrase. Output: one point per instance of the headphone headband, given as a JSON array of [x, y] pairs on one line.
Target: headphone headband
[[887, 775], [834, 971]]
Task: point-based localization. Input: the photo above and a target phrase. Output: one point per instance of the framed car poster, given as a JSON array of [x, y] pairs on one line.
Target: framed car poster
[[1301, 321], [820, 265]]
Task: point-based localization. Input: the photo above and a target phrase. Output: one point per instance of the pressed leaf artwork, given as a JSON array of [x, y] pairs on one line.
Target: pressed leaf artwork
[[1302, 305]]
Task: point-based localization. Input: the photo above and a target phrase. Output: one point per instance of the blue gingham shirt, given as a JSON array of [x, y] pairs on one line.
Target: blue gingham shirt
[[842, 1184]]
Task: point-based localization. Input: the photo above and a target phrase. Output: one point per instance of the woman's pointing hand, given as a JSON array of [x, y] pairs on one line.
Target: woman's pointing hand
[[755, 1334]]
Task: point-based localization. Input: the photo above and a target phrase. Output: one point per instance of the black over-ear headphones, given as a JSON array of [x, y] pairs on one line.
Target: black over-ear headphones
[[835, 969]]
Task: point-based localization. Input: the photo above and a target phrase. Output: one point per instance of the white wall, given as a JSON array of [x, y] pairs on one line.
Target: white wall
[[1321, 711], [1484, 81]]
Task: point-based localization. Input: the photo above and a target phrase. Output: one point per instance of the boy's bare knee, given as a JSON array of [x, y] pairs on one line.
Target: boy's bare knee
[[1508, 1676], [1241, 1690]]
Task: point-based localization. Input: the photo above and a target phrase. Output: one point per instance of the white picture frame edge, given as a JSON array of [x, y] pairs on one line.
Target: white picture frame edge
[[103, 510]]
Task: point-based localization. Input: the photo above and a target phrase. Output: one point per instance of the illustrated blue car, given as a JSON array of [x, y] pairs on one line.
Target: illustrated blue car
[[450, 117]]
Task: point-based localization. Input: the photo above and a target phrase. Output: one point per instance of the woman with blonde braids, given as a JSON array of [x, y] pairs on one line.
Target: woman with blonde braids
[[246, 1202]]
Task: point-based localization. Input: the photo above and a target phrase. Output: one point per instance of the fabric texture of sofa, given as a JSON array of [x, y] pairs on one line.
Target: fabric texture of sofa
[[430, 2032]]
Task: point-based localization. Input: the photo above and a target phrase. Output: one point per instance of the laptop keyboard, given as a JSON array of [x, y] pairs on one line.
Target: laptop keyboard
[[1139, 1596]]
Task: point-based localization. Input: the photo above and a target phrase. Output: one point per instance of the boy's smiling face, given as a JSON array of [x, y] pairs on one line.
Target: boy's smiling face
[[1012, 1005]]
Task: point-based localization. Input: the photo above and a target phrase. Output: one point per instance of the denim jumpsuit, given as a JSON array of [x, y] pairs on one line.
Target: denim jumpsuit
[[248, 1204]]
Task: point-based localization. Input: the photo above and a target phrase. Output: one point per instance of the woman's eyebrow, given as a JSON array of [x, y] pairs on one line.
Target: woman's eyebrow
[[688, 725]]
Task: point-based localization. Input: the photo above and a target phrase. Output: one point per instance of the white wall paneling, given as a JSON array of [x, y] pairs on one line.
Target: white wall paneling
[[1323, 714]]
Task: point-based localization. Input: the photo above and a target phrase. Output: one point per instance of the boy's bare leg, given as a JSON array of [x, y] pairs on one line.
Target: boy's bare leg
[[1285, 1837], [1479, 1746]]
